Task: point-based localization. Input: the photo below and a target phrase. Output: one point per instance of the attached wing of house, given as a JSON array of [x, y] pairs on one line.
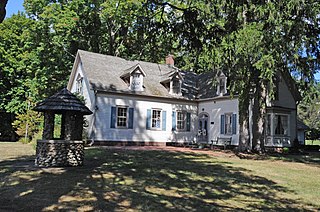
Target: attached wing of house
[[143, 102]]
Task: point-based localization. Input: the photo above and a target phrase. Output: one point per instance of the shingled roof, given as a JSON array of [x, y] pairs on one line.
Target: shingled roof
[[301, 125], [63, 101], [104, 74]]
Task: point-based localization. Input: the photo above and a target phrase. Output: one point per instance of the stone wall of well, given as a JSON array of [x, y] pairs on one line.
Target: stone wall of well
[[59, 153]]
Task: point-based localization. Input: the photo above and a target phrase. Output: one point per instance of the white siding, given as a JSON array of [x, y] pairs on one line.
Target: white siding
[[215, 109], [139, 132], [87, 93]]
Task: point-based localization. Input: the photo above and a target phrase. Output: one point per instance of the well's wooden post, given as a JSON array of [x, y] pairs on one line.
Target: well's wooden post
[[48, 127]]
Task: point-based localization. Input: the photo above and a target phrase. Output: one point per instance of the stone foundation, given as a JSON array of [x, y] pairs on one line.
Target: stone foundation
[[59, 153]]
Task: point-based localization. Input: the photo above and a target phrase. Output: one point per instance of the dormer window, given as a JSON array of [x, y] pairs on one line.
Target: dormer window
[[175, 86], [222, 85], [136, 81], [133, 77]]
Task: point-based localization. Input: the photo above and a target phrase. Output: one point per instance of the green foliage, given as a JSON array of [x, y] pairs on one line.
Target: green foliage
[[252, 41], [30, 123], [308, 111]]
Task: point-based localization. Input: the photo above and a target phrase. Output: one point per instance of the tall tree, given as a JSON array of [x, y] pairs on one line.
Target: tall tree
[[3, 4], [20, 77], [252, 41]]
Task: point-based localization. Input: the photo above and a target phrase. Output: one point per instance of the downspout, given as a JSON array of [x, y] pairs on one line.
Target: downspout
[[297, 103], [94, 108]]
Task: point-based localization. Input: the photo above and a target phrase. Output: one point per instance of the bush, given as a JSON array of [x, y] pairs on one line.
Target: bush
[[285, 150], [30, 122]]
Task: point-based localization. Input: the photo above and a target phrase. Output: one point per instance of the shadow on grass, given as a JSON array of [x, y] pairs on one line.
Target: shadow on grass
[[310, 157], [141, 180]]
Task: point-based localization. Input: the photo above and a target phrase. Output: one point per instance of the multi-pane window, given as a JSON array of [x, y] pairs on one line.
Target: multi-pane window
[[228, 123], [281, 126], [268, 124], [122, 117], [79, 85], [175, 86], [181, 120], [222, 85], [156, 119], [136, 82], [277, 124]]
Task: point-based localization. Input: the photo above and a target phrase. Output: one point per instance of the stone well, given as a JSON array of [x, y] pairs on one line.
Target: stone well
[[67, 150], [59, 153]]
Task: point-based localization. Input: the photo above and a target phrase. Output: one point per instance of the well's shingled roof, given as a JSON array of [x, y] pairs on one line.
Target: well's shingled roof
[[104, 73], [63, 101]]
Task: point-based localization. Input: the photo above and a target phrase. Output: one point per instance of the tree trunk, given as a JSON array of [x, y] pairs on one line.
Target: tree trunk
[[244, 138], [258, 112], [3, 4]]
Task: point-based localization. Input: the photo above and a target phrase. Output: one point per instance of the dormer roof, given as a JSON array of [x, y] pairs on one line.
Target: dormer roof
[[176, 74], [134, 68]]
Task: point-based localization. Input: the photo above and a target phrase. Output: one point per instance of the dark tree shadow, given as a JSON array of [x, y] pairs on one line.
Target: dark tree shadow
[[310, 158], [122, 180]]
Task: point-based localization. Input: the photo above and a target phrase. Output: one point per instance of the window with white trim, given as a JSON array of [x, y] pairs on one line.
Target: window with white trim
[[268, 124], [277, 124], [175, 86], [136, 81], [79, 85], [156, 119], [228, 124], [281, 125], [122, 117], [222, 85], [181, 120]]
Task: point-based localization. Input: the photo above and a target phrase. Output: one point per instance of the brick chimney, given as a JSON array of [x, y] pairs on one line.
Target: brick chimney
[[170, 60]]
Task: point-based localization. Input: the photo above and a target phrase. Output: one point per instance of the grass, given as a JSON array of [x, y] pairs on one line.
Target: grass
[[127, 180], [312, 142], [12, 150]]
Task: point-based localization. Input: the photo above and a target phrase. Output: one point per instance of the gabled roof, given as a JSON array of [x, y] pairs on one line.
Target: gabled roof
[[104, 73], [291, 85], [62, 101]]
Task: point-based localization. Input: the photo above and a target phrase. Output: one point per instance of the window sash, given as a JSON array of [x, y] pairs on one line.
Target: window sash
[[228, 124], [181, 120], [156, 119], [222, 85], [277, 124], [122, 117], [268, 124], [281, 123], [79, 85]]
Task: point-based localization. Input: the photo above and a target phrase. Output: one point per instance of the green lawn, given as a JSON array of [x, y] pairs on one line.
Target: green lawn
[[312, 142], [127, 180]]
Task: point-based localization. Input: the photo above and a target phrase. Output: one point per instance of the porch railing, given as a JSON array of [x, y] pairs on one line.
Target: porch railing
[[278, 141]]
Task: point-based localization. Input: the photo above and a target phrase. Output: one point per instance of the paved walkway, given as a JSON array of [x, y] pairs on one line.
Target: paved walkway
[[220, 153]]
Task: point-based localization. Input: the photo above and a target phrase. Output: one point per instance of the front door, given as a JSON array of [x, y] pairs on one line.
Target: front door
[[203, 128]]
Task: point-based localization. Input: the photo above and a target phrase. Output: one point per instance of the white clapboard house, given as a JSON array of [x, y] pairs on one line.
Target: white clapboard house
[[147, 103]]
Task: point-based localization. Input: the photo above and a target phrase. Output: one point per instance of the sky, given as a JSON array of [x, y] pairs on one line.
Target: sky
[[13, 6]]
